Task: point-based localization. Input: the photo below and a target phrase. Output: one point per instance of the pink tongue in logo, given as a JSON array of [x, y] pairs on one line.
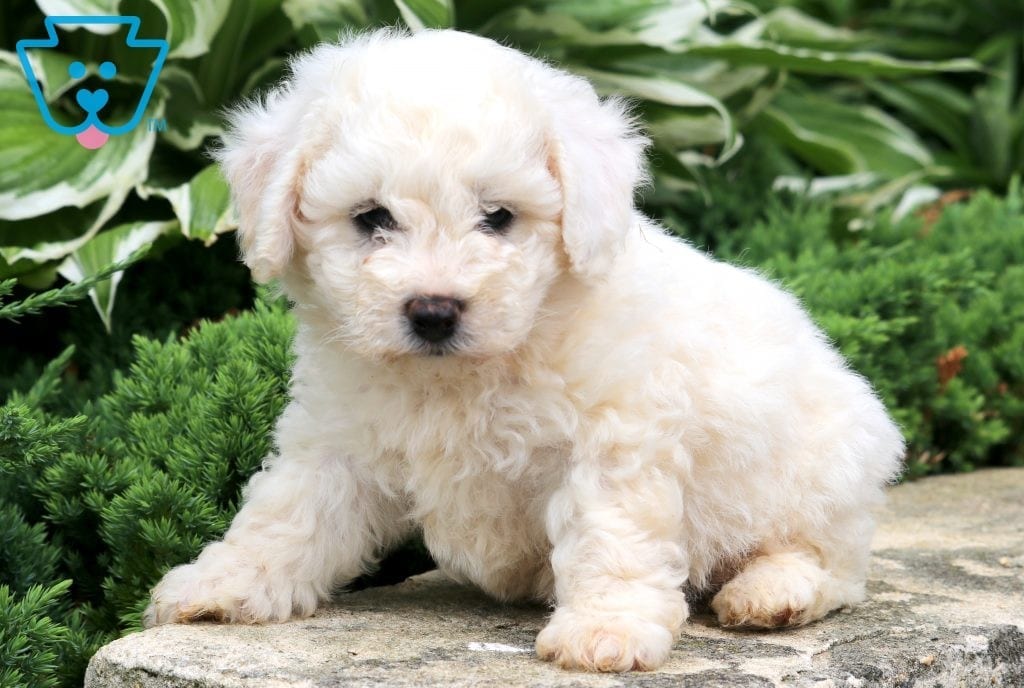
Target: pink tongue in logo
[[92, 138]]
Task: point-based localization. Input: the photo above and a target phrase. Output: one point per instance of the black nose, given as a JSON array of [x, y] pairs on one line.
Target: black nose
[[434, 318]]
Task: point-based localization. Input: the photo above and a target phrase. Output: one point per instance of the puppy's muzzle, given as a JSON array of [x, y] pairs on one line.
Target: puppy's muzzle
[[434, 318]]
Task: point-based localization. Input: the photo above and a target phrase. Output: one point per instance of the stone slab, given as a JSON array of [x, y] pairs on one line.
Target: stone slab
[[946, 608]]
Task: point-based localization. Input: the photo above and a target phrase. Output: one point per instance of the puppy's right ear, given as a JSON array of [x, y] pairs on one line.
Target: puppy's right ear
[[262, 163], [596, 153]]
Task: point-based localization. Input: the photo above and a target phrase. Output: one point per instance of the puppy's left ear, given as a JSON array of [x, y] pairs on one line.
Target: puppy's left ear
[[596, 154]]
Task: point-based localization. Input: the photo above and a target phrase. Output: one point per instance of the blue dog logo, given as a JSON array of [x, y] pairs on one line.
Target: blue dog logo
[[92, 132]]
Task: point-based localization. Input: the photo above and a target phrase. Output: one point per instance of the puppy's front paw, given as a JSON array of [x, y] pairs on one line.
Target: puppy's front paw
[[225, 587], [603, 642]]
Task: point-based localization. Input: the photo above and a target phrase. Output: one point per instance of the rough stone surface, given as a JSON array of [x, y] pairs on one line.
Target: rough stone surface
[[946, 608]]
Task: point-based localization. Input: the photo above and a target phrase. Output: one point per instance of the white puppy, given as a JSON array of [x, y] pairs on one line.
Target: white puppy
[[496, 349]]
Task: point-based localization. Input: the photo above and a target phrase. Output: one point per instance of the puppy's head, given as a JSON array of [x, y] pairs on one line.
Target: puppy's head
[[424, 192]]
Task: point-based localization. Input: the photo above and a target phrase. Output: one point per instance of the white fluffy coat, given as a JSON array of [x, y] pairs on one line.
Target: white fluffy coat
[[618, 415]]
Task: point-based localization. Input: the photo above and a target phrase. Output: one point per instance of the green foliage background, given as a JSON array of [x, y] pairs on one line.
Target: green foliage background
[[703, 73], [797, 137]]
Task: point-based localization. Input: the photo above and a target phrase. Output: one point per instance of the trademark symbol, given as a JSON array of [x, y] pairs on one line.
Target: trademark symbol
[[156, 124]]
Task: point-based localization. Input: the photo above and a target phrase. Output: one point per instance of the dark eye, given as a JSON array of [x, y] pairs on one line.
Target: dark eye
[[498, 221], [369, 221]]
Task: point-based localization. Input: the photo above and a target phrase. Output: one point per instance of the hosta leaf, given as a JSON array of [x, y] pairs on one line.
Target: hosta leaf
[[677, 128], [996, 118], [860, 208], [790, 26], [657, 24], [609, 13], [327, 17], [825, 186], [715, 77], [264, 77], [839, 139], [32, 275], [915, 197], [668, 92], [242, 44], [54, 235], [427, 14], [588, 23], [809, 61], [555, 28], [82, 8], [934, 105], [191, 24], [51, 67], [105, 249], [41, 171], [202, 205], [189, 119]]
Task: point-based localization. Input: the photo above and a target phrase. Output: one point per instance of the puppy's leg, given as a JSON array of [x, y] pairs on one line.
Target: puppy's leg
[[793, 584], [309, 522], [619, 566]]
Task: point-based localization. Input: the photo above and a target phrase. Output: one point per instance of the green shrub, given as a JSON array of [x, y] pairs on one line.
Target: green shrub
[[178, 285], [31, 642], [932, 315], [138, 482]]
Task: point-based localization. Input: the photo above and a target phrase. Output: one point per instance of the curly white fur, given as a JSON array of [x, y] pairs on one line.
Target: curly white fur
[[618, 414]]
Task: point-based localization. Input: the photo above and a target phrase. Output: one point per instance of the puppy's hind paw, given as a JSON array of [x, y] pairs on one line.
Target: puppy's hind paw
[[603, 642], [774, 591]]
